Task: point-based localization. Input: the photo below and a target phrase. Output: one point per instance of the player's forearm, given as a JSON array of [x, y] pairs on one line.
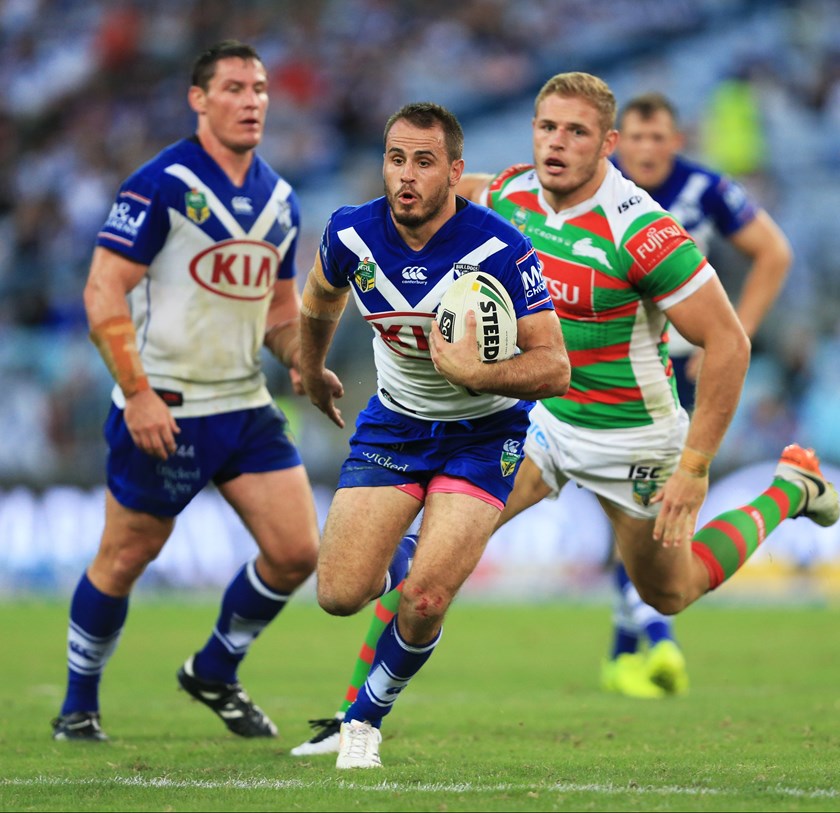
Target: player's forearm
[[283, 340], [116, 340], [761, 289], [541, 372], [770, 253], [320, 311], [718, 391], [109, 319]]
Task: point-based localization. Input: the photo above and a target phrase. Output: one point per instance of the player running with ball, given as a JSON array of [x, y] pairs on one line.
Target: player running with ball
[[444, 430], [619, 269]]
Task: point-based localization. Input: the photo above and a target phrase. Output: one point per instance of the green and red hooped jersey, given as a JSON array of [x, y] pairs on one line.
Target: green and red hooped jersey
[[613, 265]]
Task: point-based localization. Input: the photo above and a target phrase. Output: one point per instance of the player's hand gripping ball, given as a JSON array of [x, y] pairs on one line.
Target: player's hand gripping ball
[[494, 314]]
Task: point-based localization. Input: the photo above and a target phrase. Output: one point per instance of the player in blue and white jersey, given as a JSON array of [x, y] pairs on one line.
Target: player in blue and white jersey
[[707, 204], [444, 431], [192, 274]]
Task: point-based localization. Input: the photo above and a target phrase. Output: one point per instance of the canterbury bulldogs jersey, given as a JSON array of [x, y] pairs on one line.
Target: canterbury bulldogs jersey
[[398, 290], [613, 264], [213, 251]]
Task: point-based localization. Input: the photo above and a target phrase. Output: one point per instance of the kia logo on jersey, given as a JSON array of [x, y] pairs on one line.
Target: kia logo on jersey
[[237, 269]]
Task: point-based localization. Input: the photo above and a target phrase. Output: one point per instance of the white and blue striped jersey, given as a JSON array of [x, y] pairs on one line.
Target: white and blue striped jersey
[[398, 290], [214, 251]]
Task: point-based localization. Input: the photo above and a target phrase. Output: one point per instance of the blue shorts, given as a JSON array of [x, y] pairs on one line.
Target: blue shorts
[[390, 449], [212, 447]]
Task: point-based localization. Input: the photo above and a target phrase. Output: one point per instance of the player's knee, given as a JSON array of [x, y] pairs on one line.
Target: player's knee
[[337, 596], [664, 600], [121, 566], [338, 603], [424, 602], [288, 569]]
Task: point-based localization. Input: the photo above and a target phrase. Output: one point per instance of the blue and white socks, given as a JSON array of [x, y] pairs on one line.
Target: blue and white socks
[[248, 607], [96, 621], [394, 664]]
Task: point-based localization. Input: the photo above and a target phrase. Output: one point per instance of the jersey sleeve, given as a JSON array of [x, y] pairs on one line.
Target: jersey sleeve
[[521, 274], [288, 268], [664, 262], [333, 262], [138, 223]]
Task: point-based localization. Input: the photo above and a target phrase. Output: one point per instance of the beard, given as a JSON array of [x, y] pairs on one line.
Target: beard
[[422, 211]]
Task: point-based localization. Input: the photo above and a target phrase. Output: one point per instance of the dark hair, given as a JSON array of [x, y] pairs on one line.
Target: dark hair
[[426, 115], [204, 68], [647, 106]]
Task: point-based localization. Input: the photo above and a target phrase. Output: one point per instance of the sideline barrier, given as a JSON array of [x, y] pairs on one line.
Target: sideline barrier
[[557, 548]]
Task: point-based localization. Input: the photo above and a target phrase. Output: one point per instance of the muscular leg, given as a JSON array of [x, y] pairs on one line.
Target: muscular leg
[[669, 579], [287, 538], [362, 531], [130, 540]]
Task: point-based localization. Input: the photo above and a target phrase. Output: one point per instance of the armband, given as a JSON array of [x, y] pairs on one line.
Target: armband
[[284, 341], [318, 307], [116, 341], [695, 463]]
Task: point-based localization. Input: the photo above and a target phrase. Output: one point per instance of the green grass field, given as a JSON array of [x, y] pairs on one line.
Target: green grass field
[[507, 715]]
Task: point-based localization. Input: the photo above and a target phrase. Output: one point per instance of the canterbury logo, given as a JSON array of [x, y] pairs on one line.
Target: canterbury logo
[[414, 273]]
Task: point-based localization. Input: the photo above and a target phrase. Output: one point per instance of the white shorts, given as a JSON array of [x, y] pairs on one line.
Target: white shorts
[[626, 466]]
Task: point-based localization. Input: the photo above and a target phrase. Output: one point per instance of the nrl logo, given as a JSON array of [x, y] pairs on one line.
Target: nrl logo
[[197, 209], [365, 275], [510, 457]]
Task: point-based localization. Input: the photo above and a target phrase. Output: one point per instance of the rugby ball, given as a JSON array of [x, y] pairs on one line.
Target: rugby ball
[[494, 314]]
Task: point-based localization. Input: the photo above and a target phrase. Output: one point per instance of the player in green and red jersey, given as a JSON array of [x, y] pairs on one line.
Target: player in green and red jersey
[[620, 269]]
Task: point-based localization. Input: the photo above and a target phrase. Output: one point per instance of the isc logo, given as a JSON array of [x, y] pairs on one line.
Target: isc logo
[[238, 269]]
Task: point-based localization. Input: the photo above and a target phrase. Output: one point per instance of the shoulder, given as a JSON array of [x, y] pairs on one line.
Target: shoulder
[[517, 184], [684, 168], [490, 223], [346, 217], [268, 175], [153, 176], [517, 171], [354, 225], [623, 201]]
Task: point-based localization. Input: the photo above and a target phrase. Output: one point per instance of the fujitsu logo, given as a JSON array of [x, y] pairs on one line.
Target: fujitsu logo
[[655, 242], [655, 238], [237, 269]]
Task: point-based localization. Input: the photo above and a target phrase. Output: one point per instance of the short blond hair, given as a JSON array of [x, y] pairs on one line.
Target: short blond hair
[[584, 86]]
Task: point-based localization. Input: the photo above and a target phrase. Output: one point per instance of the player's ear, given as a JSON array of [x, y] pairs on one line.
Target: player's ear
[[196, 97], [456, 170], [610, 142]]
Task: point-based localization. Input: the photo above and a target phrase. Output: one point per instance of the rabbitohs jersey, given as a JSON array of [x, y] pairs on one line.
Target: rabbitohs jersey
[[213, 251], [613, 264], [398, 290]]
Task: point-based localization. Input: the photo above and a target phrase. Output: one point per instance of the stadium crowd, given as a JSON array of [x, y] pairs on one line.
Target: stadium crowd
[[93, 89]]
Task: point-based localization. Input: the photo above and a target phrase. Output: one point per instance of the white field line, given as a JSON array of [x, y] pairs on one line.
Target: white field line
[[405, 787]]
